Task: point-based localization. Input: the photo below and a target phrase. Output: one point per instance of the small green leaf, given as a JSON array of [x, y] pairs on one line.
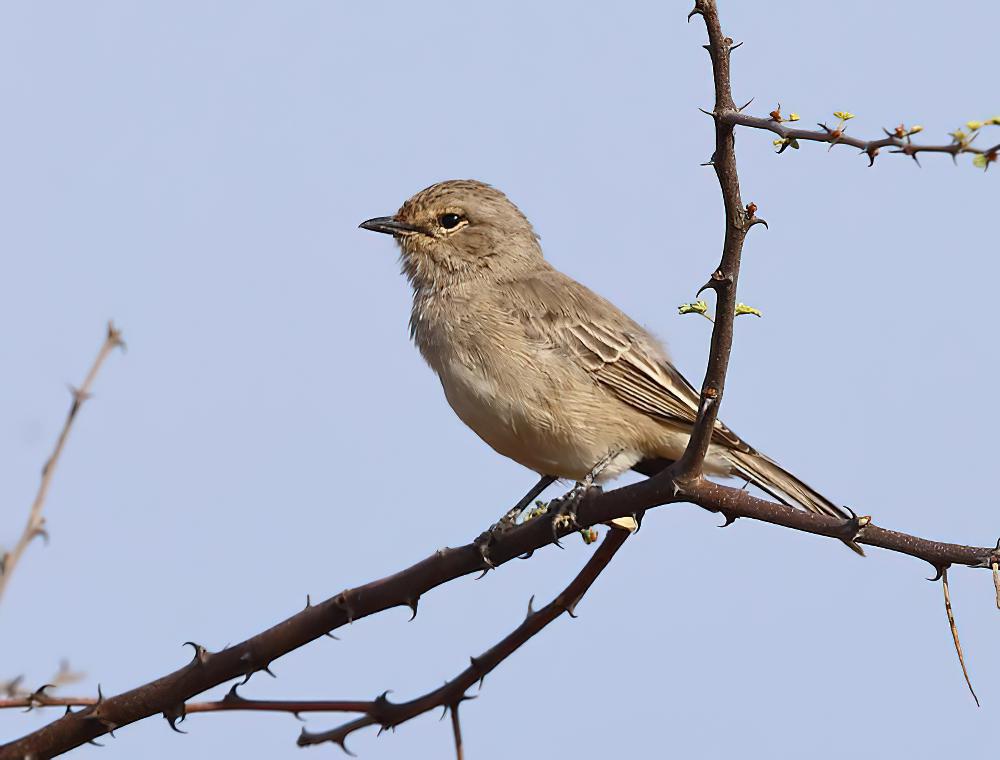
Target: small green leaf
[[698, 307], [742, 308]]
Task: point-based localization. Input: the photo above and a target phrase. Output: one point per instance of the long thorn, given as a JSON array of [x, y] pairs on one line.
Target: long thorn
[[954, 633]]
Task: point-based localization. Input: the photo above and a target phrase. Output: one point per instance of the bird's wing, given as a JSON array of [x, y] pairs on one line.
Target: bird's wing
[[618, 353]]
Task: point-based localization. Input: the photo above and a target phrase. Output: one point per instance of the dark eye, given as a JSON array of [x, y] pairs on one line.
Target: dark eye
[[449, 221]]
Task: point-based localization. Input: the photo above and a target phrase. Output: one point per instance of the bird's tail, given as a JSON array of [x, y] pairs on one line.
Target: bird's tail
[[770, 477]]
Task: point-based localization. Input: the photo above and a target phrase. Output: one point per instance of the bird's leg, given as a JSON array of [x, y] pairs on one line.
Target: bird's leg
[[563, 509], [509, 518]]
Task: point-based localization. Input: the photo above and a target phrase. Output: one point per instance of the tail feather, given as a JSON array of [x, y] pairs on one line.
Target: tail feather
[[770, 477]]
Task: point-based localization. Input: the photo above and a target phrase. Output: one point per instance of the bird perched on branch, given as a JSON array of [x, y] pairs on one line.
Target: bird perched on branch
[[544, 370]]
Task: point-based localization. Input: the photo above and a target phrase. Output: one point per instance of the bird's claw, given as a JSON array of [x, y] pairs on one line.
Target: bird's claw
[[563, 509], [488, 537]]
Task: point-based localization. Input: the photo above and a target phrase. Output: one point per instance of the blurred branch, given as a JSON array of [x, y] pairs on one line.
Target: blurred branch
[[35, 527]]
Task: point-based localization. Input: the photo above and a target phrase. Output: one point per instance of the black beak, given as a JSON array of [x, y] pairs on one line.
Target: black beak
[[389, 225]]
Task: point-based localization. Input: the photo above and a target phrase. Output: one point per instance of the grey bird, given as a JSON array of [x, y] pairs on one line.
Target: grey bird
[[544, 370]]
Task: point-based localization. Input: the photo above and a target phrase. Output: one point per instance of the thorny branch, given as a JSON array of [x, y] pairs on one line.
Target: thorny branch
[[739, 220], [898, 139], [208, 669], [387, 714], [35, 527], [682, 482]]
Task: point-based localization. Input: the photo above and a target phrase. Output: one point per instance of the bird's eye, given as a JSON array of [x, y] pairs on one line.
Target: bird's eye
[[449, 221]]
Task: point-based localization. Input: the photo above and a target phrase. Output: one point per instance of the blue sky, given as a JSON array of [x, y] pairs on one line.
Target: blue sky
[[197, 172]]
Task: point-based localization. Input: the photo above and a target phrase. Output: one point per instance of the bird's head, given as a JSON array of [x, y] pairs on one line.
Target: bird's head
[[460, 231]]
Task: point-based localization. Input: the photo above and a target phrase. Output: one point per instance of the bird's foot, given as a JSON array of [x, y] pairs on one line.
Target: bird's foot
[[485, 540], [509, 520], [563, 509]]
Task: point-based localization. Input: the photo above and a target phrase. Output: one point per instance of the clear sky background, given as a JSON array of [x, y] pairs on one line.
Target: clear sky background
[[197, 171]]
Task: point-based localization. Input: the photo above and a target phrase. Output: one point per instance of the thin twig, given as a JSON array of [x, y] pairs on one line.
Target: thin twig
[[996, 579], [35, 526], [833, 137], [456, 728], [954, 632], [230, 702], [386, 714]]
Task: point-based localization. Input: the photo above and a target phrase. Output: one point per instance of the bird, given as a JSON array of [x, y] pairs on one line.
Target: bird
[[544, 370]]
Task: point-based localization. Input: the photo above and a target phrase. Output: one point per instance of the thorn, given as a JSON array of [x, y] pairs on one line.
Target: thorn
[[745, 105], [710, 162], [330, 635], [79, 396], [531, 608], [527, 555], [175, 715], [939, 571], [94, 742], [233, 695], [710, 285], [733, 47], [730, 518], [571, 608], [115, 336], [201, 654], [757, 220], [707, 113], [695, 12], [482, 574], [872, 152], [412, 604], [308, 602], [267, 669]]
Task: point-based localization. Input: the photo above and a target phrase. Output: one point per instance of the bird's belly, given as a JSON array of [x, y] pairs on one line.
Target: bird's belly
[[533, 426]]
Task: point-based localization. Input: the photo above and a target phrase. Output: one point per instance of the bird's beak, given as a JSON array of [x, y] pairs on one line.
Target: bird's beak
[[389, 225]]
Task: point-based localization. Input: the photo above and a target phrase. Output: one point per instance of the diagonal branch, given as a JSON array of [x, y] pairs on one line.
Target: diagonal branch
[[35, 527], [380, 711], [388, 714], [208, 669]]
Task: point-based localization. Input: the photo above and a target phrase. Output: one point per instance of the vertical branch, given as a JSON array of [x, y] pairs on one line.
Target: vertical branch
[[456, 727], [739, 220], [36, 523]]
